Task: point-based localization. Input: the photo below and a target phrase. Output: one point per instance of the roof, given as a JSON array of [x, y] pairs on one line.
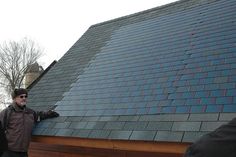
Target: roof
[[165, 74]]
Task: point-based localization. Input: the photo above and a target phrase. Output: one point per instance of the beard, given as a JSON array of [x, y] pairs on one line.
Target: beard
[[21, 104]]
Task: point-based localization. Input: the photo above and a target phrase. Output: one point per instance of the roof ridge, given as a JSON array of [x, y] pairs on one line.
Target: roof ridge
[[144, 12]]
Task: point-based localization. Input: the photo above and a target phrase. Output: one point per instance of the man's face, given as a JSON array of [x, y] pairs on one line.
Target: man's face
[[21, 99]]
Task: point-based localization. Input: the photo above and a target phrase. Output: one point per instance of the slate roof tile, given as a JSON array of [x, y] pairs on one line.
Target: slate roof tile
[[135, 126], [108, 118], [64, 132], [38, 131], [90, 119], [226, 116], [172, 136], [50, 131], [159, 126], [81, 133], [120, 134], [192, 136], [204, 117], [95, 125], [164, 117], [114, 125], [62, 125], [210, 126], [102, 134], [128, 118], [77, 125], [72, 119], [143, 135], [186, 126], [45, 124]]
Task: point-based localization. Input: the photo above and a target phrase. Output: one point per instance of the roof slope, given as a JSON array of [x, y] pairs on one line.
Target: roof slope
[[166, 74]]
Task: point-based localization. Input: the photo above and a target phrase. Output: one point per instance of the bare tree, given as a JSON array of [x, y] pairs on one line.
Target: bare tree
[[15, 58], [3, 101]]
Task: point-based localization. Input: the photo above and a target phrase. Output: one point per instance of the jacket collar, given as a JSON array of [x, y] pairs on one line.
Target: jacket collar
[[17, 108]]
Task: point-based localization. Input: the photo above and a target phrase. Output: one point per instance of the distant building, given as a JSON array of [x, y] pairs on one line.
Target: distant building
[[33, 72]]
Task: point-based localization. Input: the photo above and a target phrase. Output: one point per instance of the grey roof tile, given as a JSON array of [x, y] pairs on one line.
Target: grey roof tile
[[58, 119], [159, 126], [204, 117], [210, 126], [169, 136], [109, 118], [90, 118], [63, 113], [38, 131], [192, 136], [227, 116], [64, 132], [95, 125], [45, 124], [71, 113], [135, 125], [186, 126], [78, 125], [128, 118], [73, 119], [114, 125], [149, 118], [99, 134], [62, 125], [50, 132], [164, 117], [120, 134], [81, 133], [143, 135]]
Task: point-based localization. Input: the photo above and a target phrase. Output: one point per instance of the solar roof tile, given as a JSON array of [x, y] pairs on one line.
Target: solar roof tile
[[166, 67]]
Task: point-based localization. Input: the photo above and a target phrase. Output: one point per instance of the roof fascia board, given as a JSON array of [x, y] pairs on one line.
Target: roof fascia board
[[126, 145]]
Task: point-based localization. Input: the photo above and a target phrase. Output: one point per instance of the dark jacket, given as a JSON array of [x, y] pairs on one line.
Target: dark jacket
[[20, 125], [219, 143], [3, 140], [19, 128]]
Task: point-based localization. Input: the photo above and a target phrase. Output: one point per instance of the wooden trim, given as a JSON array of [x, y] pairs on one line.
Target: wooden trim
[[49, 150], [124, 145]]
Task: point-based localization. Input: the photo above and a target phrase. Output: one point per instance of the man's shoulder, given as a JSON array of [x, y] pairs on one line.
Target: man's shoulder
[[7, 109]]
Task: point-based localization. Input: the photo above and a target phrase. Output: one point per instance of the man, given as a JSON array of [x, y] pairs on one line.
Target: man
[[18, 121], [219, 143]]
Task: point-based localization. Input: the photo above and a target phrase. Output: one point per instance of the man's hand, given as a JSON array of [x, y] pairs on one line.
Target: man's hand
[[51, 114]]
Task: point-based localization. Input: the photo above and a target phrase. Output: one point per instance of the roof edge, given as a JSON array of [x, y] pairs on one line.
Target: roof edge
[[139, 13], [126, 145]]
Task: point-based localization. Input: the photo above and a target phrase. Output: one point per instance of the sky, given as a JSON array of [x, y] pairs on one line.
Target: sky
[[57, 24]]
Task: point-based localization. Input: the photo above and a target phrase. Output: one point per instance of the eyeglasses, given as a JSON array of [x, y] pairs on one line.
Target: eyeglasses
[[23, 96]]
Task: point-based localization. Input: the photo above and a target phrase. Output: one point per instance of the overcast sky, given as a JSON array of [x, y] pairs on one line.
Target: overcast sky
[[57, 24]]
